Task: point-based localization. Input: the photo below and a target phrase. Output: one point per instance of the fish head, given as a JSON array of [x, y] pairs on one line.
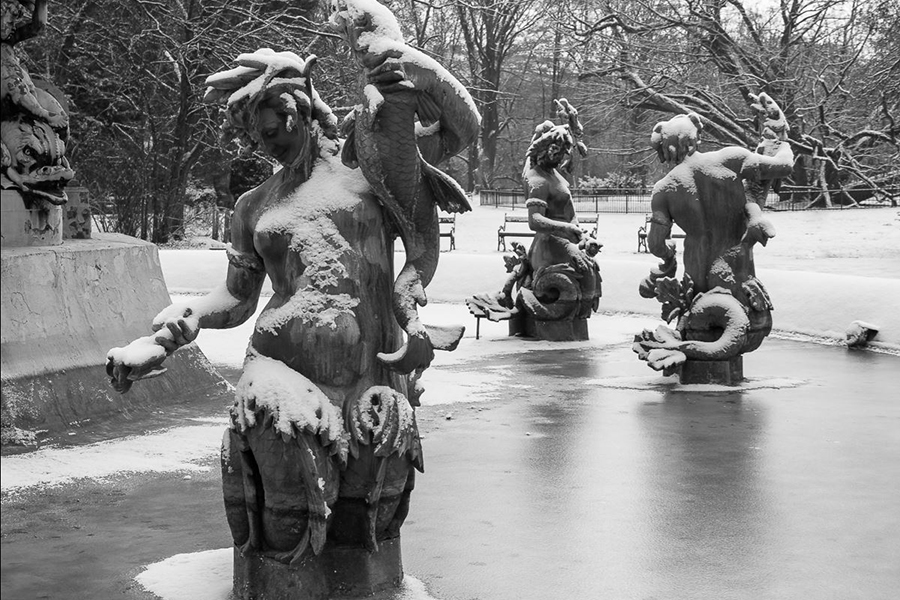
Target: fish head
[[362, 22], [33, 159]]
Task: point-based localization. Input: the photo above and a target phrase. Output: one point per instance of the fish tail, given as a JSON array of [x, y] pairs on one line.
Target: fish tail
[[447, 193]]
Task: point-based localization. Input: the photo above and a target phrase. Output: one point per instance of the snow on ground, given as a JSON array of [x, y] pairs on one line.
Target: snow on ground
[[176, 449], [207, 576], [194, 576]]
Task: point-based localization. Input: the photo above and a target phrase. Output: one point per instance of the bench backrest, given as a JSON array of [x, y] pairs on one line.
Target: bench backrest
[[524, 219], [514, 219]]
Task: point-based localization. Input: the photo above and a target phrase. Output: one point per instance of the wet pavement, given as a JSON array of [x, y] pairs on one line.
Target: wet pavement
[[588, 476]]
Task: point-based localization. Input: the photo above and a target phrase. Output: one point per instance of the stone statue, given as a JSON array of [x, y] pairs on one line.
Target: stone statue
[[319, 462], [34, 128], [558, 282], [722, 309]]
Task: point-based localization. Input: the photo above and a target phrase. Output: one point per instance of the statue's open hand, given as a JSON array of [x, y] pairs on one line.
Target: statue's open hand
[[141, 359], [579, 258]]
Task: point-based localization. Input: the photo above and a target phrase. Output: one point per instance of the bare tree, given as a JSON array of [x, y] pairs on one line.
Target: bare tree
[[493, 31], [134, 70], [817, 57]]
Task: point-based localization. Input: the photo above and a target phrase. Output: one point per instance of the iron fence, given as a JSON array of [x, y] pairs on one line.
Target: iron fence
[[789, 198], [596, 201]]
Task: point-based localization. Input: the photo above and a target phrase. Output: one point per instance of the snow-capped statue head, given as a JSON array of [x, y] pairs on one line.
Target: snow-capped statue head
[[551, 146], [676, 139], [266, 82]]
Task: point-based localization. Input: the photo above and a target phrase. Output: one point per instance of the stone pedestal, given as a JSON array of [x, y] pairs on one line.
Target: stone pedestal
[[20, 226], [721, 372], [574, 330], [339, 571], [63, 308]]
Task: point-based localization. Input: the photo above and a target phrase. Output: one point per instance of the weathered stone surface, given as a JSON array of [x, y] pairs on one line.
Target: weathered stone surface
[[339, 571], [77, 225], [62, 307], [719, 372], [20, 226]]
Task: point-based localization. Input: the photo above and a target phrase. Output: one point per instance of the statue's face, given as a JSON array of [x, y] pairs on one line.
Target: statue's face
[[555, 155], [558, 154], [282, 144]]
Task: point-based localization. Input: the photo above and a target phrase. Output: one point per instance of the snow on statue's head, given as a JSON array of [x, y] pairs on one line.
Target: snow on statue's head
[[551, 145], [676, 139], [277, 80]]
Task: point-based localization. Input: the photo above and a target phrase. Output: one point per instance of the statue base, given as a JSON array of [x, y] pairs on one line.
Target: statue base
[[29, 226], [720, 372], [339, 571], [575, 330]]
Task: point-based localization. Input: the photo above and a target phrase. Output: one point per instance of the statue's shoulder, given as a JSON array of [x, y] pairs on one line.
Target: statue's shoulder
[[334, 186], [731, 157], [248, 202], [538, 183]]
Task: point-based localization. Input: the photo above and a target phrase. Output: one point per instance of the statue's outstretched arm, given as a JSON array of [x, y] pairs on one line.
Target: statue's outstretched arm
[[177, 325]]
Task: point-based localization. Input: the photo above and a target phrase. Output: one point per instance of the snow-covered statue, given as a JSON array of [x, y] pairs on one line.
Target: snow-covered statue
[[722, 309], [319, 462], [34, 127], [557, 284]]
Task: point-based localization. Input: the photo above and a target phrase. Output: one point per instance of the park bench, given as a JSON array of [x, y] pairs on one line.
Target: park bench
[[448, 229], [644, 229], [503, 232]]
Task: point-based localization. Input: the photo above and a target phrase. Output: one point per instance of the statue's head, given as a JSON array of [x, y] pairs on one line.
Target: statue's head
[[551, 146], [34, 159], [676, 139], [271, 104]]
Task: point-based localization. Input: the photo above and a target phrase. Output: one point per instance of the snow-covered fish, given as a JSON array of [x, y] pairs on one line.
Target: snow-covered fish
[[383, 144]]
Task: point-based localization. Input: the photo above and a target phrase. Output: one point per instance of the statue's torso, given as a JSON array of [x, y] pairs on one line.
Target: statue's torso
[[548, 249], [329, 260]]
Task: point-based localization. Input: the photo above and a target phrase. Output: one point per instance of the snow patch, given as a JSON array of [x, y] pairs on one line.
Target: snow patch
[[292, 399], [172, 450], [195, 576], [305, 215], [207, 575]]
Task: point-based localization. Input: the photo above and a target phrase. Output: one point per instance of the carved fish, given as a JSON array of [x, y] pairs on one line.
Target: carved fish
[[383, 144], [34, 159]]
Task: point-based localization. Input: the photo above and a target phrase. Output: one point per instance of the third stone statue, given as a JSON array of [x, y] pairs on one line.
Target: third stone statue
[[721, 309]]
